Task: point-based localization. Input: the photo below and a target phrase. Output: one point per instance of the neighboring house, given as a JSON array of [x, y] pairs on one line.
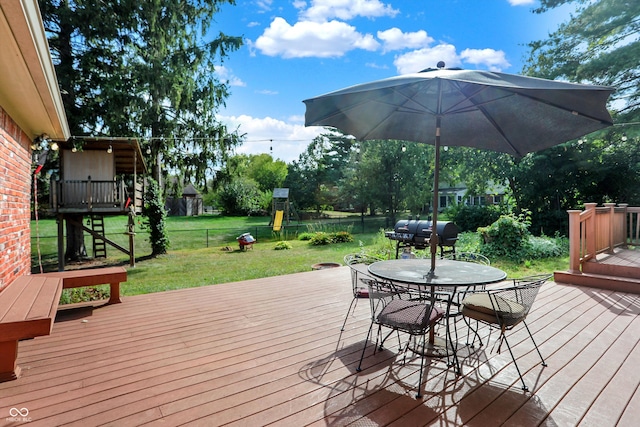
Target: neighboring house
[[454, 195], [190, 204], [30, 108]]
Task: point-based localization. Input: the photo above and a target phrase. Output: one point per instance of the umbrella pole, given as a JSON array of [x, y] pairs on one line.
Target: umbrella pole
[[436, 177]]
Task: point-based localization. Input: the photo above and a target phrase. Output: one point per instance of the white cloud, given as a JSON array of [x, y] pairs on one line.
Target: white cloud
[[494, 60], [266, 92], [520, 2], [285, 140], [226, 74], [428, 57], [264, 5], [312, 39], [376, 66], [323, 10], [395, 39]]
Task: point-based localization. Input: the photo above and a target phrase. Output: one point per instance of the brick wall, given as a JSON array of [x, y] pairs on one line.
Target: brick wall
[[15, 199]]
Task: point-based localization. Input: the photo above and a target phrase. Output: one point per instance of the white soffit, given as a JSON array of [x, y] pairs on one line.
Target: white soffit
[[29, 90]]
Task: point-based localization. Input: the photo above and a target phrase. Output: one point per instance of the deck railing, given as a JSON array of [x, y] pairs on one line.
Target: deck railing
[[90, 195], [601, 229]]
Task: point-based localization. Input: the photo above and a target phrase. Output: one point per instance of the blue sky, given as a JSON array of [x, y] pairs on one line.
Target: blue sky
[[296, 50]]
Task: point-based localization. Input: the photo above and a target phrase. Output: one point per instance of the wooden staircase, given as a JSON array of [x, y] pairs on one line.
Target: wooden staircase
[[99, 245], [617, 271]]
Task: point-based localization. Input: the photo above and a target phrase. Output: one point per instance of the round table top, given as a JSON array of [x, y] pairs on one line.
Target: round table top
[[447, 272]]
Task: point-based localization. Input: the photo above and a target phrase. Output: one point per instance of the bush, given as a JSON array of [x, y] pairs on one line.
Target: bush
[[470, 218], [242, 196], [341, 237], [283, 246], [323, 238], [548, 247], [305, 236], [508, 237], [320, 238]]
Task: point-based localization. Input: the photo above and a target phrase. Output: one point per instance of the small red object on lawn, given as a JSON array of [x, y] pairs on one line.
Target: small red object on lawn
[[246, 240]]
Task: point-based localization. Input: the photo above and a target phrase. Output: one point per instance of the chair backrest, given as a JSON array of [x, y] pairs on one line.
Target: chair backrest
[[468, 257], [512, 304], [407, 309], [359, 258], [357, 263]]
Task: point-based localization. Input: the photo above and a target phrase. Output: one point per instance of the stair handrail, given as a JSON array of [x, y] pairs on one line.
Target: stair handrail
[[599, 229]]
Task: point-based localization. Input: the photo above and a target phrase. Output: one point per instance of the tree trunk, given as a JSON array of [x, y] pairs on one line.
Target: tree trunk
[[75, 239]]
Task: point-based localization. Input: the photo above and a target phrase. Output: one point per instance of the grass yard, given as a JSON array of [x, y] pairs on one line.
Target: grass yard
[[190, 262]]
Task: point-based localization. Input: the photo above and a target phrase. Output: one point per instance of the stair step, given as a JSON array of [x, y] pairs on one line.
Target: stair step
[[600, 281]]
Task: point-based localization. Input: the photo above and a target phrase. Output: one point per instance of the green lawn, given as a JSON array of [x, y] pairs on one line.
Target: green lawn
[[190, 262]]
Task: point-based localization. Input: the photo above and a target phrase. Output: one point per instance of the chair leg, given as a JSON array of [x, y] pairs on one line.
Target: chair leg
[[524, 386], [456, 362], [348, 311], [475, 332], [359, 368], [419, 393], [534, 344]]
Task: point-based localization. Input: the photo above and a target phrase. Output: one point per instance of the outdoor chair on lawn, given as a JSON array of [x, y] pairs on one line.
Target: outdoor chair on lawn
[[503, 309], [411, 311], [358, 264]]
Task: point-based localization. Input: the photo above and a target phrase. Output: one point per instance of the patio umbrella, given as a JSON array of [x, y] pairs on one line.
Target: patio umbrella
[[453, 107]]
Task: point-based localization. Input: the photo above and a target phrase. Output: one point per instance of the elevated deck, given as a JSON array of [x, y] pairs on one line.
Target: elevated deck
[[270, 351]]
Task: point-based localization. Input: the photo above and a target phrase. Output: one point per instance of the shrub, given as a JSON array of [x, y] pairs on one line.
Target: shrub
[[283, 245], [470, 218], [320, 238], [305, 236], [507, 237], [547, 247], [341, 237]]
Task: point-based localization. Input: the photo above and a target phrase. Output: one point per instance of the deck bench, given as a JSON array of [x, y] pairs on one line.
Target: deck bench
[[27, 310], [112, 276]]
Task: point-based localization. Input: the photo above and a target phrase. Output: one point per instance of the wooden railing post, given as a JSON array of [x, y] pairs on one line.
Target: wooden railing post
[[625, 222], [590, 231], [89, 193], [611, 207], [574, 241]]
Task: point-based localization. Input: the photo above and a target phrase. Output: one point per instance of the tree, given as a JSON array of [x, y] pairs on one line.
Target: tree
[[599, 44], [156, 215], [269, 174], [144, 69], [311, 174]]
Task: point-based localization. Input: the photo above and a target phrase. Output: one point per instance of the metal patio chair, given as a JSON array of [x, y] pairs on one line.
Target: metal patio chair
[[358, 265], [411, 311], [504, 309]]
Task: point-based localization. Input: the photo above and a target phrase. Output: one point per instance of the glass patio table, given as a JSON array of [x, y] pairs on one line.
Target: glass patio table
[[415, 273]]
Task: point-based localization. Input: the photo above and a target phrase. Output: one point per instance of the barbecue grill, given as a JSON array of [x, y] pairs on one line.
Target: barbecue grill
[[416, 233]]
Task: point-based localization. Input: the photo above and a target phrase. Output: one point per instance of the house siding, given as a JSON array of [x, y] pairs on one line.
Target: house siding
[[15, 199]]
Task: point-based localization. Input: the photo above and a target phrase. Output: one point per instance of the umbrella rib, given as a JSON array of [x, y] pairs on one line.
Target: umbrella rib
[[402, 107]]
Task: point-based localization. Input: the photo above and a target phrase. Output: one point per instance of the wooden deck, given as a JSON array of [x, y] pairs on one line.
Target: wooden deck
[[270, 351]]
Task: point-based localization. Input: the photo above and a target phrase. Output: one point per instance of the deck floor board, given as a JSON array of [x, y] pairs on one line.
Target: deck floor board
[[270, 352]]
